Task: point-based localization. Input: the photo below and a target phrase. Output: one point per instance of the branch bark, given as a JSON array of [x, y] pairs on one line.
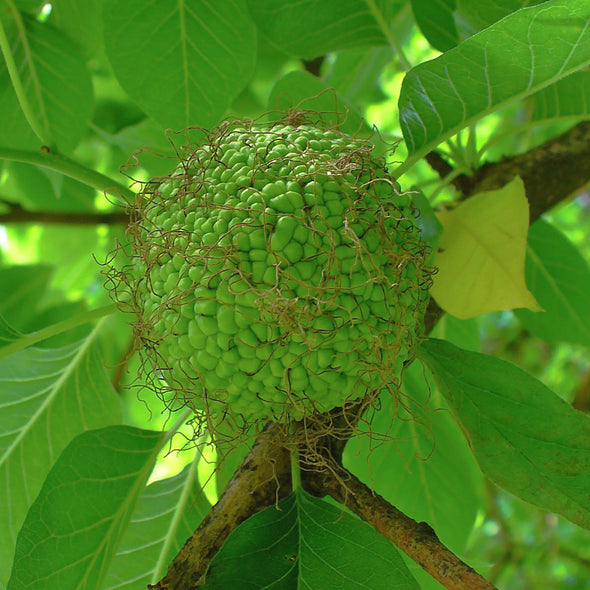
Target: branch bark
[[551, 172], [417, 539], [261, 481]]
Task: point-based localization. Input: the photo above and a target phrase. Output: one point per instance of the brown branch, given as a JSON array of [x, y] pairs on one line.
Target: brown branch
[[581, 399], [314, 66], [18, 214], [551, 172], [417, 539], [263, 478]]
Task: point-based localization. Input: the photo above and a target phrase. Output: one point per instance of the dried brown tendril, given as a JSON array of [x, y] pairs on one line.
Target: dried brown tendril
[[276, 273]]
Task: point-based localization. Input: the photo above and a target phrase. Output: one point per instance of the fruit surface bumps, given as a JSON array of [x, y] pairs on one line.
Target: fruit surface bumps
[[276, 272]]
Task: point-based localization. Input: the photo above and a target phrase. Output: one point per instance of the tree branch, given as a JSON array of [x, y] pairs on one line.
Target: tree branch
[[261, 481], [264, 478], [551, 172], [18, 214], [417, 539]]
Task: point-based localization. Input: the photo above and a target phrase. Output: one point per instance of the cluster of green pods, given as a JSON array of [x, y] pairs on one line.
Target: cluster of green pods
[[277, 271]]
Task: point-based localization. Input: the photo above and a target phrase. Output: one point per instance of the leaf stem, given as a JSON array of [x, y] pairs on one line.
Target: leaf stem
[[378, 16], [34, 337], [17, 84], [445, 182], [70, 168]]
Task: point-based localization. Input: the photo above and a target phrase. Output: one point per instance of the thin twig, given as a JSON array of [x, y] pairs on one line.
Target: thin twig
[[18, 214]]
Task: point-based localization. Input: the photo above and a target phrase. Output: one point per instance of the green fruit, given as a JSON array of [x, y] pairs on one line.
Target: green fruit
[[276, 272]]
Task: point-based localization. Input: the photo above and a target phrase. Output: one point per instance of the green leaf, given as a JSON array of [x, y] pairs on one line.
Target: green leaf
[[430, 227], [567, 99], [7, 333], [59, 314], [182, 62], [475, 16], [559, 278], [47, 397], [40, 189], [301, 89], [509, 60], [481, 254], [21, 290], [462, 333], [60, 333], [310, 28], [29, 6], [437, 23], [356, 72], [57, 85], [524, 437], [96, 482], [80, 21], [168, 512], [412, 452], [307, 543], [158, 149]]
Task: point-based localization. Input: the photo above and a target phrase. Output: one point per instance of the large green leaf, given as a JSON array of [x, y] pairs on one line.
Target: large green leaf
[[39, 189], [525, 438], [57, 84], [567, 99], [309, 28], [81, 21], [183, 62], [475, 16], [301, 89], [511, 59], [462, 333], [7, 333], [47, 397], [356, 72], [559, 278], [307, 543], [436, 21], [75, 525], [22, 289], [167, 513], [414, 458], [29, 6]]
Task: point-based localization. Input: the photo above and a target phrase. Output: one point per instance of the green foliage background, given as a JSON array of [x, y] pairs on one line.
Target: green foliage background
[[92, 492]]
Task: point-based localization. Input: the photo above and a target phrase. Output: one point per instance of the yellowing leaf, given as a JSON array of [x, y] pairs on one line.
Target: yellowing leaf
[[482, 254]]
